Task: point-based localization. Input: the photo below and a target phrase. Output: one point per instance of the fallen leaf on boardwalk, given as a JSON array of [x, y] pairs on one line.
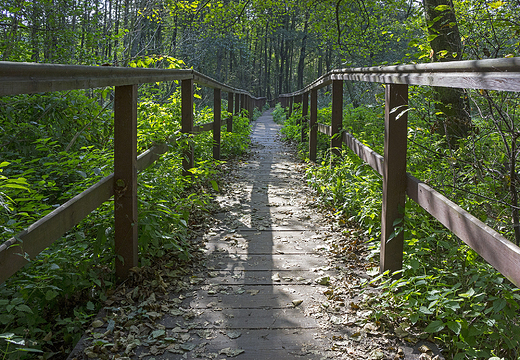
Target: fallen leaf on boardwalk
[[324, 280], [400, 331], [231, 352], [233, 334], [336, 320], [276, 277], [188, 346], [377, 354], [373, 271], [252, 292], [157, 333], [97, 324], [297, 302]]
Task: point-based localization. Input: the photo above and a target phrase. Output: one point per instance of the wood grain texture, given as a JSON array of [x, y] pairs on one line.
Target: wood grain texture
[[217, 110], [502, 254], [337, 117], [125, 179], [305, 116], [230, 110], [324, 129], [41, 234], [187, 123], [394, 176], [364, 152], [313, 129]]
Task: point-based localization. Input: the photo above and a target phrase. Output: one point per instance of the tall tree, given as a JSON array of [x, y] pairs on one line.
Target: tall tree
[[452, 105]]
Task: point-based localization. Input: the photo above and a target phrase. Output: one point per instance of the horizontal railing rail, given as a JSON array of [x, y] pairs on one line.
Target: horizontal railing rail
[[493, 74], [28, 78]]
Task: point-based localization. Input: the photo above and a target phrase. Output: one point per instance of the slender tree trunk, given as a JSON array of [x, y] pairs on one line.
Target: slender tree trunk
[[452, 104], [301, 62]]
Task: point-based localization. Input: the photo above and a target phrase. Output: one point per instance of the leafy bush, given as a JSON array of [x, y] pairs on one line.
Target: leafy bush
[[446, 292], [44, 307]]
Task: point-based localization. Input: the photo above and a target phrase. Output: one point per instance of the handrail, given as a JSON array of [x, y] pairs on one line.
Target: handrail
[[492, 74], [489, 74], [27, 78]]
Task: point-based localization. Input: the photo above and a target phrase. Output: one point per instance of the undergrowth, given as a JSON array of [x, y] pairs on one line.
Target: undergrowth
[[446, 293], [53, 151]]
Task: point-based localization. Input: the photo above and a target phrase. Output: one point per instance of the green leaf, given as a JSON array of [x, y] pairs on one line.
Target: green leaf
[[24, 308], [499, 304], [214, 185], [90, 306], [435, 326], [454, 326], [496, 4], [468, 293], [30, 350], [442, 7], [50, 294]]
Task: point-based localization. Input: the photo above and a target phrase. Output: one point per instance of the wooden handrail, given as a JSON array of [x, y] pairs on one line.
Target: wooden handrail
[[493, 74], [490, 74], [28, 78]]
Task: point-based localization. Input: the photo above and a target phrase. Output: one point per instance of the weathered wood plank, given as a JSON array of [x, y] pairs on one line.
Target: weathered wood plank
[[29, 78], [289, 318], [491, 74], [313, 131], [187, 123], [197, 129], [51, 227], [125, 179], [325, 129], [217, 116], [305, 115], [503, 81], [364, 152], [254, 297], [230, 110], [502, 254], [394, 176], [41, 234], [337, 117]]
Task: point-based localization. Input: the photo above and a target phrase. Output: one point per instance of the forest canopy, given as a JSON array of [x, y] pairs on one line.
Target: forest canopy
[[268, 46]]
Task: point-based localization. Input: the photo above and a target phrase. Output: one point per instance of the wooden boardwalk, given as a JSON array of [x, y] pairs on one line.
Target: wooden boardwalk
[[264, 255], [269, 289]]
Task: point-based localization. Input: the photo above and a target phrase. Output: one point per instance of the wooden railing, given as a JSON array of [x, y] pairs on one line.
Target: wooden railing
[[495, 74], [27, 78]]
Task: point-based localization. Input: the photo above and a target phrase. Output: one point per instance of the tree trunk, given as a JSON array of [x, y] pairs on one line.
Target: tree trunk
[[301, 62], [454, 120]]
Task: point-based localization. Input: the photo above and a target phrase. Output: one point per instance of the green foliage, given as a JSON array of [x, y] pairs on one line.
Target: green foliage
[[446, 292], [44, 307]]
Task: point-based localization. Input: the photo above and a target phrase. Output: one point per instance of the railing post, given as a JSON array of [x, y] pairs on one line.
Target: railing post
[[291, 102], [305, 114], [237, 104], [250, 106], [242, 101], [313, 127], [230, 110], [337, 117], [217, 110], [125, 179], [187, 123], [394, 176]]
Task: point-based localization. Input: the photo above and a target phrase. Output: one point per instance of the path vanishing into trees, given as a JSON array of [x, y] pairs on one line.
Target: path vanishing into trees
[[277, 281]]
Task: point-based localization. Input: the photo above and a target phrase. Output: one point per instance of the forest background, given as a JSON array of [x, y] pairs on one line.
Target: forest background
[[268, 47]]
